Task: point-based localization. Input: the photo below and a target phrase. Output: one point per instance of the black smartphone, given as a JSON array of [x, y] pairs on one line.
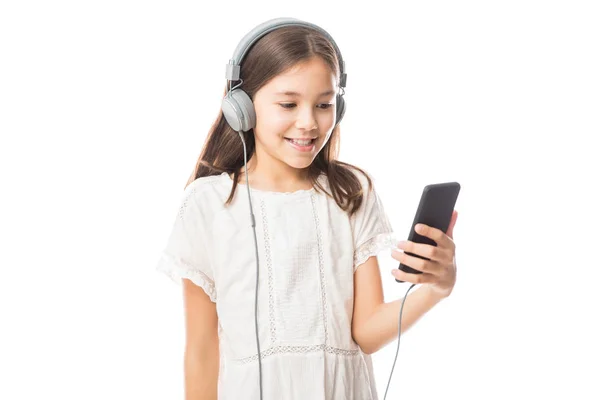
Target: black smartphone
[[435, 209]]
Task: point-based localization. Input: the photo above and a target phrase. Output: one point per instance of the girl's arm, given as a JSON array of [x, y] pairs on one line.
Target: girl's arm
[[375, 323], [201, 359]]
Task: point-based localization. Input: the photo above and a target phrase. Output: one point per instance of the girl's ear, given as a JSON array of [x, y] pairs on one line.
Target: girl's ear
[[238, 110]]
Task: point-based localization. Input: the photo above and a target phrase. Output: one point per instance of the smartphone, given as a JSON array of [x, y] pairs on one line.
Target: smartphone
[[435, 209]]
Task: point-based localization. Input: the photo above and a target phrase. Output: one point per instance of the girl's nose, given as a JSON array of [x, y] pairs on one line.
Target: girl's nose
[[306, 120]]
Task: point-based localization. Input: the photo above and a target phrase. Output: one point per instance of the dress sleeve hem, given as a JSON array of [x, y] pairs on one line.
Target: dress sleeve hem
[[373, 246], [176, 269]]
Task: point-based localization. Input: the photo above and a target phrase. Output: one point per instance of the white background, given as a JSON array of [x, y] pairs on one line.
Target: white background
[[104, 107]]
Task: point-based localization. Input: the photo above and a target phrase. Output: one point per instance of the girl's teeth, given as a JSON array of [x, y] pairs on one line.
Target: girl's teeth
[[301, 142]]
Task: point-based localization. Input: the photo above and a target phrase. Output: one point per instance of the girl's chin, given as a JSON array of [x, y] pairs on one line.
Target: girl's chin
[[298, 164]]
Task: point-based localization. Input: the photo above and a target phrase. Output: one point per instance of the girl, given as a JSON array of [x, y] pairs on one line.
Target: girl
[[303, 323]]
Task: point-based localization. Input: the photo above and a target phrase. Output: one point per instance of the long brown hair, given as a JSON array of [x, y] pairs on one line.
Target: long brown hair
[[273, 54]]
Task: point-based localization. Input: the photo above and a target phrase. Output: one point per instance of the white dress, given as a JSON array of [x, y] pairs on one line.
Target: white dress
[[309, 249]]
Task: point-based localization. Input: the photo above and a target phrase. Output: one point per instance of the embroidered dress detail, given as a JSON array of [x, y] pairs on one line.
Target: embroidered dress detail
[[308, 250]]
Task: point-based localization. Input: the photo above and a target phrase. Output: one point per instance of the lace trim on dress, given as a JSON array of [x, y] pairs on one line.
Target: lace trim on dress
[[270, 271], [321, 267], [297, 349], [176, 269], [189, 193], [373, 246]]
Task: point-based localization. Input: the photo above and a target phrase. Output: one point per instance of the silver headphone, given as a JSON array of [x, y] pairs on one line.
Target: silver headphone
[[237, 106]]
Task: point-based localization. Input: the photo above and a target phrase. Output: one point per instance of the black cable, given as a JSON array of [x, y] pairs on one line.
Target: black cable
[[399, 331]]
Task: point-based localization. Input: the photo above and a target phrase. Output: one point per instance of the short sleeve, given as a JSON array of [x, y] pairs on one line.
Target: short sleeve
[[185, 254], [371, 228]]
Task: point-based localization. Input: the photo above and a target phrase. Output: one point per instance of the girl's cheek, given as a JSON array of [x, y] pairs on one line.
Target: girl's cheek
[[283, 117], [327, 120]]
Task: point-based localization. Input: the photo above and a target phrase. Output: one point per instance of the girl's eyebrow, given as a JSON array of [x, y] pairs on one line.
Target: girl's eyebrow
[[290, 93]]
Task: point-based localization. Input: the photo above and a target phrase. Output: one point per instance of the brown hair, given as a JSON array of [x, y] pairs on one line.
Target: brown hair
[[273, 54]]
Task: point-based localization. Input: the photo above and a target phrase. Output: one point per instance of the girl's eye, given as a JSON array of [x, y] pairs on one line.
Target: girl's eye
[[292, 105]]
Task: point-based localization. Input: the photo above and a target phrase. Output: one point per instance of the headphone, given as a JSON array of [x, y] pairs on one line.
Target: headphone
[[237, 106]]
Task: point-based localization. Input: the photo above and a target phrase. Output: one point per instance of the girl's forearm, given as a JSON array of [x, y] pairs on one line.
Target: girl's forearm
[[201, 372], [382, 326]]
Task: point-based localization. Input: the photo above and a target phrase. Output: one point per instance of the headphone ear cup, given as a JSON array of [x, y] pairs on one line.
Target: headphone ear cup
[[340, 108], [238, 110]]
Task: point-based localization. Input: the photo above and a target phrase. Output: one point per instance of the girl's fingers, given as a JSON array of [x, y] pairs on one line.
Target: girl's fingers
[[413, 278], [427, 266], [436, 235], [424, 250]]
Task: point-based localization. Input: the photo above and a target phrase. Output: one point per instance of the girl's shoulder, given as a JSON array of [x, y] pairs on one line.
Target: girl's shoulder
[[208, 190]]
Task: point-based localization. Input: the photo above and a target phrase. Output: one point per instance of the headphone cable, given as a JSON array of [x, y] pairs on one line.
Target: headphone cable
[[256, 255], [397, 347]]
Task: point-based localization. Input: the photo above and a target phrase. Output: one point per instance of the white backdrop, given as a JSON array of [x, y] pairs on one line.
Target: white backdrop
[[104, 107]]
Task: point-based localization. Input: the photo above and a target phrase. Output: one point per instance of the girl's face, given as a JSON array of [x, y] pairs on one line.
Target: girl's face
[[295, 114]]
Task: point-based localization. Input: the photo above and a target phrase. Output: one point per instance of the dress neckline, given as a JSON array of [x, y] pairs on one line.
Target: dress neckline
[[270, 192]]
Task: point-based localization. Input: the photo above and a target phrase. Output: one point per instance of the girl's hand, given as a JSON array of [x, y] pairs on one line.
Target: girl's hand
[[439, 273]]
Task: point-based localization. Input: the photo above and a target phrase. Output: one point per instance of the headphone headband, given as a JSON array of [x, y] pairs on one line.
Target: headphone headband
[[232, 72]]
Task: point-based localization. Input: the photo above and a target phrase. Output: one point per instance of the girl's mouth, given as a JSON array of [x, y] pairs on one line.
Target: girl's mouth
[[302, 144]]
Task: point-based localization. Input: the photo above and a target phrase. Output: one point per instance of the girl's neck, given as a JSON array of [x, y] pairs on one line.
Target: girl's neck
[[283, 179]]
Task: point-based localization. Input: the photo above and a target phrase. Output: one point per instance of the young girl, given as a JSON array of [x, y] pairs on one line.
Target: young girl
[[303, 323]]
